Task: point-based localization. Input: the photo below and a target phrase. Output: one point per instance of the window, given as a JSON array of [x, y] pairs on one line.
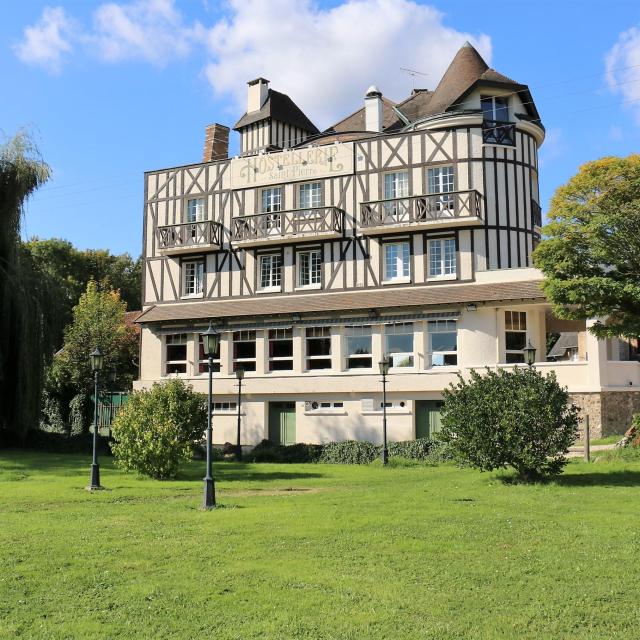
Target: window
[[443, 343], [193, 278], [314, 405], [442, 258], [358, 343], [396, 260], [622, 349], [440, 181], [495, 108], [195, 210], [309, 268], [244, 350], [318, 348], [395, 404], [203, 361], [270, 271], [224, 407], [175, 353], [515, 324], [272, 200], [310, 195], [280, 349], [399, 344], [396, 185]]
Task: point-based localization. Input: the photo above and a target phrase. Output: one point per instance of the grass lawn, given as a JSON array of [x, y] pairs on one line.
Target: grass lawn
[[317, 551]]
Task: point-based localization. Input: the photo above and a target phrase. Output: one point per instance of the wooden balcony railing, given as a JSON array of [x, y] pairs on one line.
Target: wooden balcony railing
[[264, 227], [498, 132], [417, 210], [536, 213], [190, 235]]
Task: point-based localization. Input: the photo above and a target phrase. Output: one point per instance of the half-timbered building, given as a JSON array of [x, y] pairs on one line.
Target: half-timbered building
[[404, 231]]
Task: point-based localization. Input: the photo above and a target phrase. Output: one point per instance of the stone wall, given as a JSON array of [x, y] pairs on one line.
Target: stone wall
[[609, 412]]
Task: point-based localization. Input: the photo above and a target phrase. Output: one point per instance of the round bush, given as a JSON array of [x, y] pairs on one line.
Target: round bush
[[520, 419], [157, 429], [349, 452]]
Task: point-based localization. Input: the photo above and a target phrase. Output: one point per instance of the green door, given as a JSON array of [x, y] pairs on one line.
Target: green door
[[282, 422], [428, 417]]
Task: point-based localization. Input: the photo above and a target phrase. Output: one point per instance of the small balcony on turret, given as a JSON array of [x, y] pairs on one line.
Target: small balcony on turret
[[280, 227], [189, 237], [455, 208]]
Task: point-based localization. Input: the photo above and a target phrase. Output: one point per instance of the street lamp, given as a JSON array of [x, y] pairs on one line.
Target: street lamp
[[529, 353], [239, 376], [210, 339], [384, 370], [97, 363]]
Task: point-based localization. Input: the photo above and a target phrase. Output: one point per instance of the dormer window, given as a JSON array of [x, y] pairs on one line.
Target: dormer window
[[496, 128], [495, 108]]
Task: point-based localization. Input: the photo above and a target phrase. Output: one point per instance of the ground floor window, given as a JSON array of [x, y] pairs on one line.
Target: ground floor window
[[399, 344], [358, 347], [318, 345], [443, 343], [175, 353], [224, 407], [244, 350], [281, 350], [515, 324]]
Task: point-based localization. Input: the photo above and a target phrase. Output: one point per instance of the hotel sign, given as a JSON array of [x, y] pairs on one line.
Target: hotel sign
[[289, 166]]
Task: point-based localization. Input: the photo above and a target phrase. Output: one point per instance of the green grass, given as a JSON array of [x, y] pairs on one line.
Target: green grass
[[317, 551], [606, 440]]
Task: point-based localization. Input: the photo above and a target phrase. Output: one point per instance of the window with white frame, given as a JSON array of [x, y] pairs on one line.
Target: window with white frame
[[272, 200], [318, 348], [309, 195], [195, 210], [244, 350], [495, 108], [442, 258], [311, 406], [358, 347], [396, 260], [396, 185], [399, 344], [224, 407], [193, 278], [175, 354], [203, 361], [270, 271], [309, 268], [440, 181], [280, 349], [442, 343], [515, 326]]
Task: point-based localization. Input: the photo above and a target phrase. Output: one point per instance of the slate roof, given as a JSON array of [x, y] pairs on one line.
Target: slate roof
[[281, 107], [424, 296], [567, 340], [356, 121]]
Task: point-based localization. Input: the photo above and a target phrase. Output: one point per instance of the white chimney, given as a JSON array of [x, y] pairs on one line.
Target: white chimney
[[373, 109], [257, 94]]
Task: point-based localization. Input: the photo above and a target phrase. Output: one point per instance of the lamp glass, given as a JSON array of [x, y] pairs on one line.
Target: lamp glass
[[529, 353], [210, 339], [384, 366], [97, 360], [240, 374]]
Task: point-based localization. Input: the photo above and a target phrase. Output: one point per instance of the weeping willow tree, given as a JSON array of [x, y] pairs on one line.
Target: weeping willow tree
[[24, 322]]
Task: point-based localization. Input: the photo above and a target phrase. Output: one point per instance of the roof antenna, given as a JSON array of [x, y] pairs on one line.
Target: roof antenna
[[413, 73]]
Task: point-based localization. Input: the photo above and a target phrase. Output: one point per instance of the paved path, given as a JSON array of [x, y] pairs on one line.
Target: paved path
[[578, 451]]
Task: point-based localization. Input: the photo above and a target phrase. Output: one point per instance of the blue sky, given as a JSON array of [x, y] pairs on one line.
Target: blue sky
[[111, 89]]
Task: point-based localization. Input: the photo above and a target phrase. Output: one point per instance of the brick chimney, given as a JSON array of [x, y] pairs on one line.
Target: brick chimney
[[216, 143]]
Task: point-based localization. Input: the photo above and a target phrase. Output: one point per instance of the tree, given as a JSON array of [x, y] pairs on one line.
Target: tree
[[24, 322], [591, 253], [157, 429], [520, 419]]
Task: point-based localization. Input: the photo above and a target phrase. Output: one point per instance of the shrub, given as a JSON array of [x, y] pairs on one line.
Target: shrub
[[520, 419], [349, 452], [635, 423], [411, 449], [78, 412], [267, 451], [158, 428]]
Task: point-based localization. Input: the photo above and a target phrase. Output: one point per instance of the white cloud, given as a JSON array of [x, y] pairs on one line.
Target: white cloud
[[623, 69], [326, 58], [148, 30], [46, 42]]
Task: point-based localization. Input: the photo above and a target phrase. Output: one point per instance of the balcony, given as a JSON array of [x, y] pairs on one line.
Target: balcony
[[536, 213], [498, 132], [189, 237], [288, 226], [451, 209]]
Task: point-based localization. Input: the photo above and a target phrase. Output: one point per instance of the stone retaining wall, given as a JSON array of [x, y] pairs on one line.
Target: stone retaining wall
[[609, 412]]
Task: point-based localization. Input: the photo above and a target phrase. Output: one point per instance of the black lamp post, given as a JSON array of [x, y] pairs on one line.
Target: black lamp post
[[384, 370], [97, 363], [529, 353], [210, 339], [239, 376]]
